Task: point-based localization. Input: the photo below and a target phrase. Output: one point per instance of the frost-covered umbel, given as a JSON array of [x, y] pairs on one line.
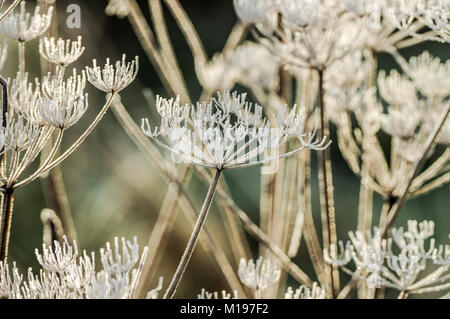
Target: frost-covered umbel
[[228, 132], [400, 267], [258, 275], [61, 52], [67, 274], [23, 26], [113, 78]]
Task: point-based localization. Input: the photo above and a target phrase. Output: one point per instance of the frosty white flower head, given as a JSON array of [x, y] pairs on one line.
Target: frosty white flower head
[[204, 294], [228, 132], [258, 275], [66, 274], [61, 52], [120, 8], [53, 87], [316, 292], [114, 262], [23, 26], [23, 97], [113, 78]]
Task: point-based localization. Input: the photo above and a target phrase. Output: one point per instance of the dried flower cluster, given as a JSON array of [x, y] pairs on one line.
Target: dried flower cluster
[[66, 274]]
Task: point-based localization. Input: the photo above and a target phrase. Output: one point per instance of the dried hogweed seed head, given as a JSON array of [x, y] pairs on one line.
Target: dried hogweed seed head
[[23, 26], [23, 97], [62, 112], [61, 52], [67, 275], [260, 275], [113, 78], [53, 87], [228, 132], [3, 54]]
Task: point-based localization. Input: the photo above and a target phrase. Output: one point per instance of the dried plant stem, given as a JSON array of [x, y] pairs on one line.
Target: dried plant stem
[[365, 207], [311, 238], [21, 51], [6, 218], [235, 232], [398, 204], [188, 30], [9, 10], [155, 158], [163, 225], [326, 190], [193, 239], [257, 233]]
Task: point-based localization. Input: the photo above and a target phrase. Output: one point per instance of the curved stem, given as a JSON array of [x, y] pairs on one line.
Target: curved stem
[[5, 226], [193, 240]]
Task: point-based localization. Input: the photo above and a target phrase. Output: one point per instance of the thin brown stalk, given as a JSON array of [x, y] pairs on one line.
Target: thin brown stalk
[[6, 218], [188, 252]]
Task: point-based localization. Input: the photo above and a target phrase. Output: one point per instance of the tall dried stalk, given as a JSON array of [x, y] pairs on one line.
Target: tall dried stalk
[[188, 252]]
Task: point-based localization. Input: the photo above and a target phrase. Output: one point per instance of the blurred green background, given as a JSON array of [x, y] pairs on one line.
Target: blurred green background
[[114, 191]]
